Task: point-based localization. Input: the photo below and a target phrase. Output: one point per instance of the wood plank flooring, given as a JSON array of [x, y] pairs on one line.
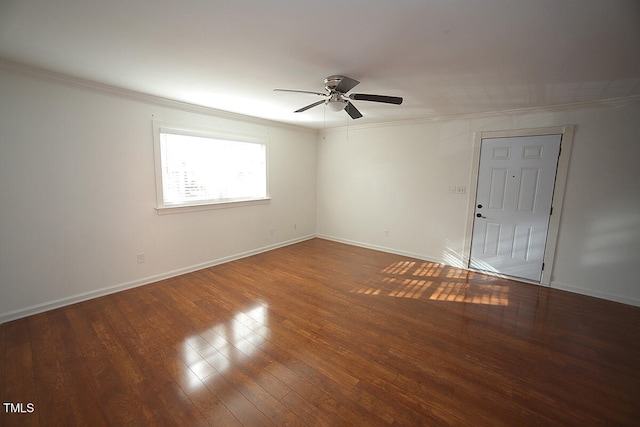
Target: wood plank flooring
[[324, 334]]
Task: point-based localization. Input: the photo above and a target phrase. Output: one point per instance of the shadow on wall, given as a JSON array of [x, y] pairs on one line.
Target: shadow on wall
[[609, 237]]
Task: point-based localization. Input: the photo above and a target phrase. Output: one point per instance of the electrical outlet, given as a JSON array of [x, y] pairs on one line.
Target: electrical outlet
[[295, 226], [140, 258], [461, 189], [272, 231], [386, 233], [451, 189]]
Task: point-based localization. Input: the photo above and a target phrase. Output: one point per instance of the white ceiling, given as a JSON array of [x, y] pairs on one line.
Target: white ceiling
[[445, 57]]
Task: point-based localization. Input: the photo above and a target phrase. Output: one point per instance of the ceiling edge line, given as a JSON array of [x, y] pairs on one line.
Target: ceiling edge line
[[488, 114], [132, 95]]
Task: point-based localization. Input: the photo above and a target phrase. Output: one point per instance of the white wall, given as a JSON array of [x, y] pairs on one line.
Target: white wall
[[395, 177], [77, 196]]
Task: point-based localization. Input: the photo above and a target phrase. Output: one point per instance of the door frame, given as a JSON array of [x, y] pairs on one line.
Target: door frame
[[558, 194]]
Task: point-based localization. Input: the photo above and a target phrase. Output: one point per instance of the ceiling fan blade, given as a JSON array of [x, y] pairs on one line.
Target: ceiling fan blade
[[352, 111], [346, 84], [376, 98], [310, 106], [301, 91]]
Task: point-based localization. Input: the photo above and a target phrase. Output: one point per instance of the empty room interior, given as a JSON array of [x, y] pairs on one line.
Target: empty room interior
[[320, 213]]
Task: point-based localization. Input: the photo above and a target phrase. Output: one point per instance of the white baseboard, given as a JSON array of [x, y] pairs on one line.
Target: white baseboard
[[596, 294], [50, 305], [61, 302], [554, 285], [381, 248]]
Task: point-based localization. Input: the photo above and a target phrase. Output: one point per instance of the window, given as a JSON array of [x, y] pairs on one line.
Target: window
[[202, 169]]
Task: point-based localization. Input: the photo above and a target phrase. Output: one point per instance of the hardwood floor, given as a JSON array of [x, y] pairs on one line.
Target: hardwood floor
[[321, 333]]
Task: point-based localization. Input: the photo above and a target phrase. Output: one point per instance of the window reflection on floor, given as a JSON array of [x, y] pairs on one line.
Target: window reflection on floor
[[215, 350]]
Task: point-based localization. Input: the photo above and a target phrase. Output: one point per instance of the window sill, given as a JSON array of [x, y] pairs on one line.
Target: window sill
[[168, 210]]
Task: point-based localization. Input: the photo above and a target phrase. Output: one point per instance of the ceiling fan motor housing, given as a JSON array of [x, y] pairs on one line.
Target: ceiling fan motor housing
[[332, 82]]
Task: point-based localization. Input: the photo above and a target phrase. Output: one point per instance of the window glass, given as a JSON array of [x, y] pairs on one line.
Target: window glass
[[197, 169]]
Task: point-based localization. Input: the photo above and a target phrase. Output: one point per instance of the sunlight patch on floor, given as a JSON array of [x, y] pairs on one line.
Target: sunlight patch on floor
[[408, 279], [476, 294]]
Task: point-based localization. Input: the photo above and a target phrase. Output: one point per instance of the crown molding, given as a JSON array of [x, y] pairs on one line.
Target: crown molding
[[608, 102], [131, 95]]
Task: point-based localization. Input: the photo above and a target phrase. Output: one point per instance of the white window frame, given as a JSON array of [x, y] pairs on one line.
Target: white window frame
[[163, 208]]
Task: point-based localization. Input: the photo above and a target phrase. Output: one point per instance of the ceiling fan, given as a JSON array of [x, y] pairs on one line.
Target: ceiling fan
[[336, 97]]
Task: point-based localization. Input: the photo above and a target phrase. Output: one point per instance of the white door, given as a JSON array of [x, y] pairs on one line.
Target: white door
[[513, 204]]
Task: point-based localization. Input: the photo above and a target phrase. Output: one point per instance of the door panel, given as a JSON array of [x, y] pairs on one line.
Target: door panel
[[492, 239], [521, 243], [497, 191], [513, 204], [528, 189]]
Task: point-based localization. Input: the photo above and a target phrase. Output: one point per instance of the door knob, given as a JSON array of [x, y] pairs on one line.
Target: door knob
[[479, 215]]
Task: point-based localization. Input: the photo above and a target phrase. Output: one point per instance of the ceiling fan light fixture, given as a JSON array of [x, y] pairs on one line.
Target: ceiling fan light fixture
[[337, 105], [336, 102]]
